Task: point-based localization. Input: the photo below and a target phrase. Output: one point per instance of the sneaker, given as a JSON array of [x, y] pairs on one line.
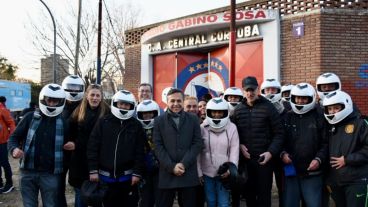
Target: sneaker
[[7, 189]]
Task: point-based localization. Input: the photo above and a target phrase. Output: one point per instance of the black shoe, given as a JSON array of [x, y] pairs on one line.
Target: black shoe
[[7, 189]]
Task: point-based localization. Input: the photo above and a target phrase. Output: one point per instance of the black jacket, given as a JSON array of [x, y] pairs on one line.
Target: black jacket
[[305, 140], [80, 132], [44, 140], [116, 146], [349, 138], [259, 126]]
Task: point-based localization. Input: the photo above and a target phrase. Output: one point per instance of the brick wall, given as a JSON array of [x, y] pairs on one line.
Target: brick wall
[[132, 77], [301, 57], [335, 40], [344, 47]]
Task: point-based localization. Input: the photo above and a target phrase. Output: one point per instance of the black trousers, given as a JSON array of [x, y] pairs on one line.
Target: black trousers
[[188, 196], [121, 195], [352, 195], [149, 191], [259, 184]]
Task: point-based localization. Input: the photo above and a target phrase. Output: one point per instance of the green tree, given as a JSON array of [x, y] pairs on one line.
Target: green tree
[[7, 70]]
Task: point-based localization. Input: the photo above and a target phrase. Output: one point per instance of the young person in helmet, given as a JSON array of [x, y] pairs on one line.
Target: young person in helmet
[[327, 83], [38, 141], [285, 95], [147, 110], [81, 122], [221, 145], [233, 96], [271, 89], [115, 152], [73, 86], [305, 149], [348, 150], [178, 141]]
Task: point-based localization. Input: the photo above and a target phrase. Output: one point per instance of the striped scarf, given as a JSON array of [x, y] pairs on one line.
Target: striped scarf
[[29, 148]]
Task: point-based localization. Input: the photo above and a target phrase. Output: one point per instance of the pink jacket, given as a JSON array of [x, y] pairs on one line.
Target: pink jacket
[[224, 147]]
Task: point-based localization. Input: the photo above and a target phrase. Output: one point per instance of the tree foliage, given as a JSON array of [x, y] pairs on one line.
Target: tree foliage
[[7, 70], [116, 20]]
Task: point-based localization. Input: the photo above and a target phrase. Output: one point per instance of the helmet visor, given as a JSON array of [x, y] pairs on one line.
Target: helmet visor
[[52, 102], [74, 88]]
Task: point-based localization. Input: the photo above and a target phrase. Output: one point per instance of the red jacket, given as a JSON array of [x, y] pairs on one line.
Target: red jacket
[[7, 124]]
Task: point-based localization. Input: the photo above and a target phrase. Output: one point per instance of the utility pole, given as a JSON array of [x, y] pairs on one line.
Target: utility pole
[[98, 79], [76, 58], [54, 57], [232, 43]]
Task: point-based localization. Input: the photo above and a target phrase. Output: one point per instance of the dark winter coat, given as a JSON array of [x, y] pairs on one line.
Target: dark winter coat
[[305, 140], [259, 126], [177, 145], [349, 138], [116, 146], [80, 132]]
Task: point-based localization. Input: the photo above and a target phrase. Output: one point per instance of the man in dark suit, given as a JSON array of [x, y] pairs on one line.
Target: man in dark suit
[[177, 139]]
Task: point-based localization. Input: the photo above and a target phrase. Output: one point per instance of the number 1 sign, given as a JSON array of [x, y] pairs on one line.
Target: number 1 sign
[[298, 29]]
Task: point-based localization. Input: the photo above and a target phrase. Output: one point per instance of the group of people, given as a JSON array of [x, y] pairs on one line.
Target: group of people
[[147, 156]]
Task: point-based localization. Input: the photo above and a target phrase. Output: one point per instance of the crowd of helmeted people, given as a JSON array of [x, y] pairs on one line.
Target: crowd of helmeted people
[[216, 151]]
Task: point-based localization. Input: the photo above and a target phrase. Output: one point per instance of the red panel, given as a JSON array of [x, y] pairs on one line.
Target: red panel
[[163, 75], [192, 69], [249, 61]]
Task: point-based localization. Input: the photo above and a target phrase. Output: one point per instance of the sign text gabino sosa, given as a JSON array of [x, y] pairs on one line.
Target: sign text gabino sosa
[[242, 16]]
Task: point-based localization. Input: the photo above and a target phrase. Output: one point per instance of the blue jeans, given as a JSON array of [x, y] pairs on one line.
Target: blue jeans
[[4, 162], [78, 200], [216, 194], [309, 188], [33, 182]]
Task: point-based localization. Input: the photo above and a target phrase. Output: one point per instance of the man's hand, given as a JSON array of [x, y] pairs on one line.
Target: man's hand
[[244, 151], [135, 180], [286, 158], [314, 165], [69, 146], [179, 169], [93, 177], [17, 153], [267, 157], [337, 162]]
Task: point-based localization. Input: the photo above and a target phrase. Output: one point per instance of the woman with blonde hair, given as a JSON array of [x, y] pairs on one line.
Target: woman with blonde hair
[[82, 122]]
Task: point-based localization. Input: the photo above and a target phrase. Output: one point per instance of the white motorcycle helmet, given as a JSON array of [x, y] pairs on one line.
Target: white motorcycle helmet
[[303, 89], [126, 97], [233, 91], [327, 78], [271, 83], [217, 104], [147, 106], [73, 86], [338, 97], [164, 94], [284, 89], [52, 92]]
